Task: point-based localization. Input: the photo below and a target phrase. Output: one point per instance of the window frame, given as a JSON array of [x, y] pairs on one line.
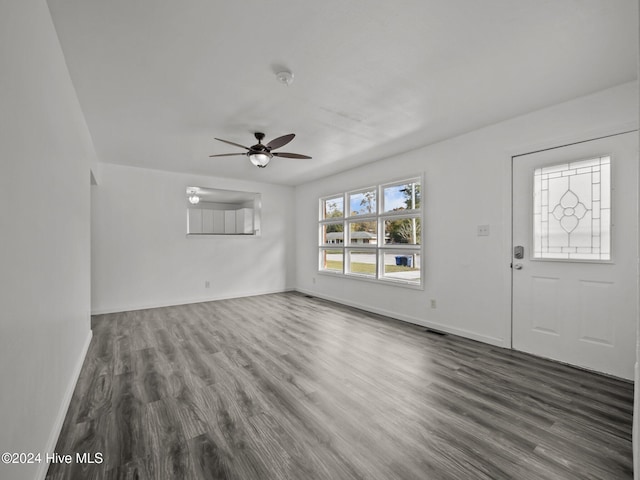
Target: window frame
[[379, 247]]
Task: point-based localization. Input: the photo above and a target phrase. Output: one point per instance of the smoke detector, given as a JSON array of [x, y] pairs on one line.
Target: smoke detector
[[285, 77]]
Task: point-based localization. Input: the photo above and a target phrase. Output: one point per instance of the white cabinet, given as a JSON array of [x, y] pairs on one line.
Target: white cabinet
[[229, 221], [244, 220], [195, 221], [212, 221], [218, 221], [207, 221]]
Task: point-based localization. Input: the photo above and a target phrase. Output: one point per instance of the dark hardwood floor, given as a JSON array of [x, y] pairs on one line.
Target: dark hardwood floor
[[289, 387]]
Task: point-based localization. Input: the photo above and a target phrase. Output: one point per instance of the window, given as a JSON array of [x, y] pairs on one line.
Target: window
[[377, 237], [211, 211], [572, 211]]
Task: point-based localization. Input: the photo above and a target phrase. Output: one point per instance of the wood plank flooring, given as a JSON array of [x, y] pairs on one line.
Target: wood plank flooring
[[289, 387]]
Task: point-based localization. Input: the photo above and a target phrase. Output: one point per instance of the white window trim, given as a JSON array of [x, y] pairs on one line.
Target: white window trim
[[379, 247]]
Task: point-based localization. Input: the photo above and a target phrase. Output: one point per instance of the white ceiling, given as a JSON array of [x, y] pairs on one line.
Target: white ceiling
[[159, 79]]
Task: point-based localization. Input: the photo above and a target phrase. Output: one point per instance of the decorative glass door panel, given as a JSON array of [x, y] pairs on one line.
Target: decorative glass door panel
[[572, 210]]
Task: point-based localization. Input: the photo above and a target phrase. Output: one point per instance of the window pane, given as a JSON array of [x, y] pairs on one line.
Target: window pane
[[402, 266], [361, 238], [332, 233], [405, 196], [363, 203], [363, 233], [333, 208], [362, 262], [403, 231], [331, 260], [571, 210]]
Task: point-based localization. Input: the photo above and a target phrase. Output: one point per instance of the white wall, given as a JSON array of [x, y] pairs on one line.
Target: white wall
[[45, 154], [636, 400], [142, 257], [467, 183]]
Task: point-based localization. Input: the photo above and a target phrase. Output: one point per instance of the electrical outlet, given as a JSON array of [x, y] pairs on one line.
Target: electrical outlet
[[483, 230], [433, 303], [207, 284]]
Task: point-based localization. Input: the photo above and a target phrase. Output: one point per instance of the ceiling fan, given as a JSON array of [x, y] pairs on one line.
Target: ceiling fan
[[260, 154]]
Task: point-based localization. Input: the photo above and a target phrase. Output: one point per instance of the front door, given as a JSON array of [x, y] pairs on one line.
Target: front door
[[575, 244]]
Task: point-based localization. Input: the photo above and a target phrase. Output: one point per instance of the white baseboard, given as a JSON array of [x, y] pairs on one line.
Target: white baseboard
[[499, 342], [184, 301], [64, 407]]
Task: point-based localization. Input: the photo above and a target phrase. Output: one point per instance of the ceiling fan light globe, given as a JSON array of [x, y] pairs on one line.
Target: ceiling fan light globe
[[260, 160]]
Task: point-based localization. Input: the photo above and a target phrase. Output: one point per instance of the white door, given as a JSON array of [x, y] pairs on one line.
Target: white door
[[575, 285]]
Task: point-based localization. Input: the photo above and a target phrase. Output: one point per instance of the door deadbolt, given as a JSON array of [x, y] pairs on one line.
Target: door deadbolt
[[518, 252]]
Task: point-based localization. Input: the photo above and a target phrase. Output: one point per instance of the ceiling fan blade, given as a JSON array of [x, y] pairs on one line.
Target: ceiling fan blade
[[231, 143], [289, 155], [227, 155], [280, 141]]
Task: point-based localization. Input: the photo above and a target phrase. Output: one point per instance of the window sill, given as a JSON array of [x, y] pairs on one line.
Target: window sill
[[379, 281]]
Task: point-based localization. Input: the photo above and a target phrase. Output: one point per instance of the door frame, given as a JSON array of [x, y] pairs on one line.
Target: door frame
[[527, 149]]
